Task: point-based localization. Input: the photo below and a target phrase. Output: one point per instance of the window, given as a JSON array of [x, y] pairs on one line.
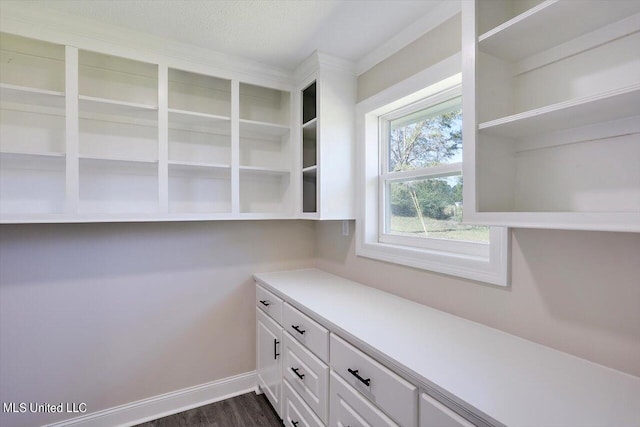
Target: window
[[411, 143]]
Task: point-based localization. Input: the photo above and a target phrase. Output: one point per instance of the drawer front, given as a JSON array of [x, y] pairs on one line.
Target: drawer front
[[308, 376], [307, 331], [391, 393], [269, 303], [349, 408], [435, 414], [296, 413]]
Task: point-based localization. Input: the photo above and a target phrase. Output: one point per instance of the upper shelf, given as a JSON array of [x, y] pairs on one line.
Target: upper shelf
[[262, 128], [116, 108], [600, 108], [549, 24], [193, 120], [31, 96]]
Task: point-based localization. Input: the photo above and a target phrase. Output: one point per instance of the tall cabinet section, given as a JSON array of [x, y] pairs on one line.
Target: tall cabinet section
[[327, 92], [552, 114], [127, 135]]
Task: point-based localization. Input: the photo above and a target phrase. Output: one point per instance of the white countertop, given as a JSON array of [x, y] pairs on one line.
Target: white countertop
[[514, 381]]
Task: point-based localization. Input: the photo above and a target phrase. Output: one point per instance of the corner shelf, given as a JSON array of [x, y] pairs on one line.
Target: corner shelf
[[552, 115]]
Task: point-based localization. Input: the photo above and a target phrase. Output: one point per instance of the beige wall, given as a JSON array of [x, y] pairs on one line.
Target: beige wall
[[575, 291], [438, 44], [112, 313]]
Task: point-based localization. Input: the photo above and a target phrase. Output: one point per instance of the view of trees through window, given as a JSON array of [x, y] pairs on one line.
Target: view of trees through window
[[428, 206]]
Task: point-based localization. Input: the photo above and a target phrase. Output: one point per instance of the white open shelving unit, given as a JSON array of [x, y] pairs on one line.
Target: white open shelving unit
[[552, 102], [327, 98], [90, 136]]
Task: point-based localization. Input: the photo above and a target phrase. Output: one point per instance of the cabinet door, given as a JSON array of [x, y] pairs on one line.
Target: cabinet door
[[268, 359]]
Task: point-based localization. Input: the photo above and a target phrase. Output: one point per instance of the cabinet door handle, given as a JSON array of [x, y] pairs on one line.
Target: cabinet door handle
[[265, 302], [366, 381], [298, 330], [295, 371], [275, 348]]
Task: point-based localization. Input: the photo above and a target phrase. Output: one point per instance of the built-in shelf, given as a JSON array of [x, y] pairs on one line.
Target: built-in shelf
[[603, 107], [31, 96], [549, 24], [311, 170], [310, 124], [114, 107], [552, 115], [115, 159], [198, 165], [26, 154], [194, 118], [262, 128], [258, 170]]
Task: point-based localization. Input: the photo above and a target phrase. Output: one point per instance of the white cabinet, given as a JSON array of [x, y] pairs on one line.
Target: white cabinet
[[383, 349], [552, 117], [91, 136], [327, 137], [269, 359]]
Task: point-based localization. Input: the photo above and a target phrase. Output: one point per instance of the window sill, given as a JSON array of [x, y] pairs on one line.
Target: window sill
[[493, 269]]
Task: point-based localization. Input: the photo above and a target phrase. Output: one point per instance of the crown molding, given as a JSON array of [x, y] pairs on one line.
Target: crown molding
[[63, 28], [442, 12], [318, 60]]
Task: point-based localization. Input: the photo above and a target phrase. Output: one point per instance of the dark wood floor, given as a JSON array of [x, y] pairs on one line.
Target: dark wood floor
[[247, 410]]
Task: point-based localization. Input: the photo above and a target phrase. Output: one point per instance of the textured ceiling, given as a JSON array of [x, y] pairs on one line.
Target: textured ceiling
[[276, 32]]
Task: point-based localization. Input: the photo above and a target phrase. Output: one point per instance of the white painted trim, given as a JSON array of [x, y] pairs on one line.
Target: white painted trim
[[166, 404], [428, 22], [433, 81]]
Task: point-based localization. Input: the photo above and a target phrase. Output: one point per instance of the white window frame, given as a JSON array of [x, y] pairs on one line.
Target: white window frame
[[488, 263]]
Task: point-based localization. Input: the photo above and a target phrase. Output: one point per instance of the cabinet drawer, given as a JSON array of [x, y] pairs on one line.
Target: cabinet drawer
[[349, 408], [309, 332], [308, 376], [394, 395], [435, 414], [296, 413], [269, 303]]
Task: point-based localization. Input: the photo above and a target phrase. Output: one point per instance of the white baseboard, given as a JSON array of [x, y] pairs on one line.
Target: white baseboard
[[166, 404]]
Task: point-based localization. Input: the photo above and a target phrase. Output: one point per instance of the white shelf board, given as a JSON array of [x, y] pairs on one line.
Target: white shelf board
[[259, 170], [183, 119], [92, 104], [199, 168], [262, 128], [31, 96], [599, 108], [549, 24], [310, 123], [29, 155], [310, 170], [199, 164], [115, 159]]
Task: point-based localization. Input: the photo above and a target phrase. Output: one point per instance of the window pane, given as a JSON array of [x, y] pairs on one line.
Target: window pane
[[430, 208], [427, 137]]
